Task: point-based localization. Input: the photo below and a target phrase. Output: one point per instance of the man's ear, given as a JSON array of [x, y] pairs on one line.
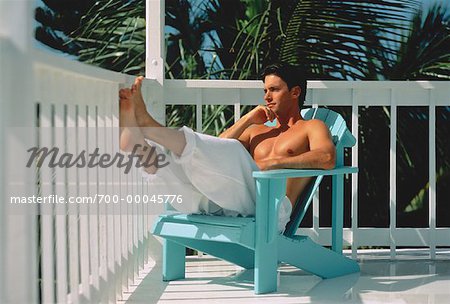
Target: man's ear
[[295, 91]]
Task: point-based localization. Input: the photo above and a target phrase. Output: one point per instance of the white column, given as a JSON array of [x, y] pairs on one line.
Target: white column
[[18, 237], [154, 59], [154, 93], [16, 23]]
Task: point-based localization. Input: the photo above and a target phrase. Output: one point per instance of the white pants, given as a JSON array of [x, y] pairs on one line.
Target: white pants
[[212, 176]]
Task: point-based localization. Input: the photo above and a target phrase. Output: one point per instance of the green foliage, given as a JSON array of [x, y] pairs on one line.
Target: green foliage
[[57, 20], [113, 36], [336, 38], [184, 40], [424, 51]]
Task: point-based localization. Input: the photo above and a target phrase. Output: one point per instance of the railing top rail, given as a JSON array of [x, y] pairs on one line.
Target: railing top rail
[[313, 84], [249, 92], [66, 65]]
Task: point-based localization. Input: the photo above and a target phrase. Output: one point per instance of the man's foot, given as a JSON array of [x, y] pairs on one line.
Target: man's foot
[[131, 138], [174, 140], [143, 118], [129, 130]]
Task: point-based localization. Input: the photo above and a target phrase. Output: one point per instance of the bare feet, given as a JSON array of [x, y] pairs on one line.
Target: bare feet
[[129, 130], [131, 138], [173, 140], [143, 118]]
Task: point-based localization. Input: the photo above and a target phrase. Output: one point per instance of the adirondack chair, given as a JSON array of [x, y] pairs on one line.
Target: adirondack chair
[[254, 242]]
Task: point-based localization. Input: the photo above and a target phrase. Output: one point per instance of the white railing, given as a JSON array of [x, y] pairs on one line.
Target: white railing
[[393, 94], [78, 252], [100, 248], [94, 254]]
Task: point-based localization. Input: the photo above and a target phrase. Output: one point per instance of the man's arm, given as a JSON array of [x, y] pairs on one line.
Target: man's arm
[[240, 130], [322, 153], [237, 131]]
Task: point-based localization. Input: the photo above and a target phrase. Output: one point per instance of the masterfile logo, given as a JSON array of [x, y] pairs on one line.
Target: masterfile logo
[[96, 159]]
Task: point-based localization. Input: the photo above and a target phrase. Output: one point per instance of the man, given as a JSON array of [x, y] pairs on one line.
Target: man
[[217, 172]]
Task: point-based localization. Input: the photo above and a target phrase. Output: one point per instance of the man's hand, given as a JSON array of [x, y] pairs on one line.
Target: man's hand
[[269, 164], [260, 115]]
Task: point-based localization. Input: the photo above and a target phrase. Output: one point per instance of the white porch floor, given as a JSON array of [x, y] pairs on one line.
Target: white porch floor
[[411, 279]]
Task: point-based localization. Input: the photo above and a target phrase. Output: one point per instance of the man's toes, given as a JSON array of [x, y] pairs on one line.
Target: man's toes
[[125, 93], [138, 81], [140, 78]]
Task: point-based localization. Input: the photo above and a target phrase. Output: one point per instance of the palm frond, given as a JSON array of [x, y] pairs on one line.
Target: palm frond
[[424, 53]]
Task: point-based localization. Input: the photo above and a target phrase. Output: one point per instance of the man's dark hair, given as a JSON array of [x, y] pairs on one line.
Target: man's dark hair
[[292, 75]]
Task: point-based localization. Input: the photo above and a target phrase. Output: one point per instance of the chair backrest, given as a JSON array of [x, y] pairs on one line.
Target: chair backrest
[[342, 138]]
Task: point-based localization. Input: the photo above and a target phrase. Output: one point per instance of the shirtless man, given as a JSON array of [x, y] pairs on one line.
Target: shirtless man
[[292, 143]]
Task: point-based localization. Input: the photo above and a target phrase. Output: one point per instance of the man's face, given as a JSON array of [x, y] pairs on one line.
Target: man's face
[[277, 95]]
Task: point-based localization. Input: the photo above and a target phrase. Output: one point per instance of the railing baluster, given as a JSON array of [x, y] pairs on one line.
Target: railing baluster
[[83, 190], [354, 199], [144, 215], [237, 111], [110, 205], [46, 209], [73, 208], [393, 174], [93, 208], [102, 190], [140, 221], [135, 227], [132, 231], [125, 217], [60, 209], [124, 232], [113, 99], [432, 173], [199, 110], [130, 263]]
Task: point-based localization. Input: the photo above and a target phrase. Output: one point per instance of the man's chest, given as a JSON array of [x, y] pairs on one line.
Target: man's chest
[[274, 143]]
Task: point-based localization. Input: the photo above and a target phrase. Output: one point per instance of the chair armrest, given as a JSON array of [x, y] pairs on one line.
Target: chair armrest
[[274, 181], [287, 173]]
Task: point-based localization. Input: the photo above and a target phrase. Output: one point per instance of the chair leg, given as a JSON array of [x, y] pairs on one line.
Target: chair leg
[[337, 213], [174, 261], [266, 249], [266, 268]]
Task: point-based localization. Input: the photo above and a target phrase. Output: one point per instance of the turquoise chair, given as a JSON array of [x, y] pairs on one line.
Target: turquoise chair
[[254, 242]]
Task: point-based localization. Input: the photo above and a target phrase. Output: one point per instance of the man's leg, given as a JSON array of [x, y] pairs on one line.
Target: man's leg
[[130, 133], [221, 169], [171, 139]]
